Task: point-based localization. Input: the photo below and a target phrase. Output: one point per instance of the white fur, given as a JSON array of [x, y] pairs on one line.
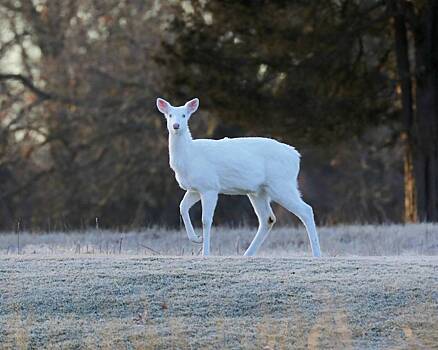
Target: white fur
[[261, 168]]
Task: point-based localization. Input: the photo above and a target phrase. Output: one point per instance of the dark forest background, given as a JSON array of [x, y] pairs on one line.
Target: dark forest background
[[353, 85]]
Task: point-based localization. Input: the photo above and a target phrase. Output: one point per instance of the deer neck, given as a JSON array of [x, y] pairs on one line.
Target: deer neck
[[179, 149]]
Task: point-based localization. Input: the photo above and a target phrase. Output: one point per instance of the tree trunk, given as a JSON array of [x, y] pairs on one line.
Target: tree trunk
[[425, 33], [410, 189], [398, 12]]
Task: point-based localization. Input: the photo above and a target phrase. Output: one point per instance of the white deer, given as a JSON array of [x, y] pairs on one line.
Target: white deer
[[261, 168]]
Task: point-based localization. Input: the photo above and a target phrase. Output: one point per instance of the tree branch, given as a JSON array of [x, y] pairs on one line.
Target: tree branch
[[28, 83]]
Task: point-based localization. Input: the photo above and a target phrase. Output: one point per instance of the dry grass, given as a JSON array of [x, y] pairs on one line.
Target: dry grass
[[367, 240], [99, 290], [114, 302]]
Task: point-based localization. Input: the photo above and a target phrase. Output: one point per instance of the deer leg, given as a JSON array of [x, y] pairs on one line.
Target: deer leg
[[190, 199], [266, 217], [208, 200], [292, 201]]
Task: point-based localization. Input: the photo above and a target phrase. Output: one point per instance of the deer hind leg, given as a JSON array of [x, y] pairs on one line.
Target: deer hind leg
[[290, 199], [190, 199], [263, 210]]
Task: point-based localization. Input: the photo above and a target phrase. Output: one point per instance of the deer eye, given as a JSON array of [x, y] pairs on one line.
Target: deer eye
[[183, 115]]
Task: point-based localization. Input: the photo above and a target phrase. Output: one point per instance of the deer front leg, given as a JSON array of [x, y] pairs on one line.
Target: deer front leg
[[208, 200], [190, 199]]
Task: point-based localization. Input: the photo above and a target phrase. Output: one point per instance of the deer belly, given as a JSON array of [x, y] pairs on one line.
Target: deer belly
[[236, 180], [238, 183]]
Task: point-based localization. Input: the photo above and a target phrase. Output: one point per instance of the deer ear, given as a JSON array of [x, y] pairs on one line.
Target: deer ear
[[163, 106], [192, 105]]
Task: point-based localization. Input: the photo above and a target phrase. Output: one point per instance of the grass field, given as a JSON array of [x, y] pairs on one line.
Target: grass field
[[124, 296], [358, 240]]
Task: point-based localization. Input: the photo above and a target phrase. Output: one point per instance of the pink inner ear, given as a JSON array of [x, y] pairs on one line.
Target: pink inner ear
[[163, 105], [192, 105]]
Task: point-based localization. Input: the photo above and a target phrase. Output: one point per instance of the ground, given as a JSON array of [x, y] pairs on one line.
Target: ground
[[134, 302]]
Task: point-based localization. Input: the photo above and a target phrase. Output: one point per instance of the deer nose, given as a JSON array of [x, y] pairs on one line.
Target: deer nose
[[176, 126]]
